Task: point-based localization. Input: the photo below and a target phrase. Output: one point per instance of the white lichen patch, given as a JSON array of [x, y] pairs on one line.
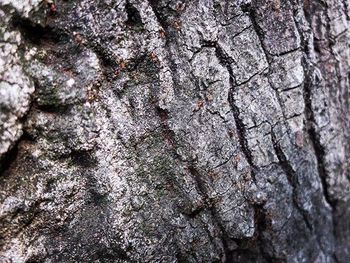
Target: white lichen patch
[[15, 90], [70, 83]]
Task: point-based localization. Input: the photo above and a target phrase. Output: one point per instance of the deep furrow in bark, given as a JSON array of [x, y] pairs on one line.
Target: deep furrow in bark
[[197, 176], [283, 161], [310, 82], [260, 216], [315, 142], [9, 158], [183, 177], [291, 176], [211, 208], [225, 61], [308, 85]]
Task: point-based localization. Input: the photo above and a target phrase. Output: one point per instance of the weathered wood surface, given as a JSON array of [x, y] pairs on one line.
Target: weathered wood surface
[[174, 131]]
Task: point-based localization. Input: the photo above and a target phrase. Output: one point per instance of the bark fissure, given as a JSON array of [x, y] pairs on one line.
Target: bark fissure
[[211, 208], [165, 131], [197, 176], [308, 85], [292, 178], [315, 142], [226, 61], [10, 157]]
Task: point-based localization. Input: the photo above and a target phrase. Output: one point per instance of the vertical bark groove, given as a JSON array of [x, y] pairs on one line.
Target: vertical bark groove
[[174, 131]]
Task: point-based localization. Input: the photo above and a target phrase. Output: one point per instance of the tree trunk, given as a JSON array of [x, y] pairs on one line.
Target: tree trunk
[[174, 131]]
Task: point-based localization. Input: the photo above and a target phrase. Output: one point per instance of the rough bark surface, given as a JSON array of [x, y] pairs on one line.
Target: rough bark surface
[[174, 131]]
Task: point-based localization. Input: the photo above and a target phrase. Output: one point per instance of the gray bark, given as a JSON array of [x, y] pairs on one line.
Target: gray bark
[[174, 131]]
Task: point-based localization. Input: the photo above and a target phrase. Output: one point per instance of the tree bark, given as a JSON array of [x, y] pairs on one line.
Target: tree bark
[[174, 131]]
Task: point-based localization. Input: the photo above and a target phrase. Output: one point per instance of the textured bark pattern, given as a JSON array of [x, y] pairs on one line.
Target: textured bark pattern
[[174, 131]]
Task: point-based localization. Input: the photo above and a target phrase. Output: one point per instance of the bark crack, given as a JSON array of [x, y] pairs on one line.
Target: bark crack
[[309, 82], [225, 61], [200, 183], [291, 177], [315, 140]]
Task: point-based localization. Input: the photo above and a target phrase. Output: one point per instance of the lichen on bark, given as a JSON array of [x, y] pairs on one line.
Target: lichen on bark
[[174, 131]]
